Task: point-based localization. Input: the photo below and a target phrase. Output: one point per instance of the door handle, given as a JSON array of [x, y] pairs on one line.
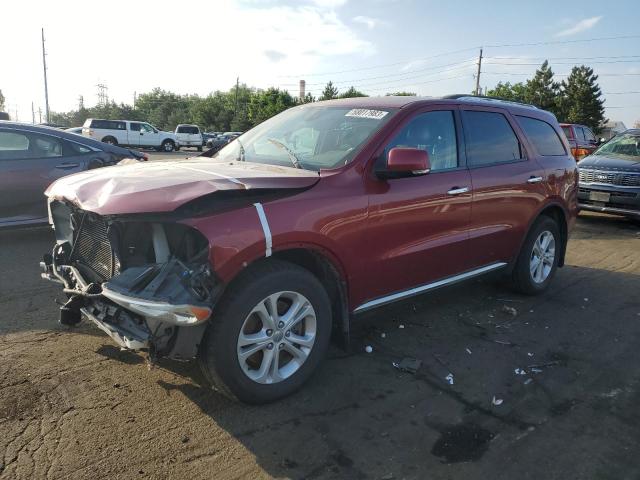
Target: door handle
[[458, 190], [534, 180], [67, 165]]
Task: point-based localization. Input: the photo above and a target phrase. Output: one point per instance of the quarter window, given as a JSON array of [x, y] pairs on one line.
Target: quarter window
[[489, 138], [543, 136], [434, 132]]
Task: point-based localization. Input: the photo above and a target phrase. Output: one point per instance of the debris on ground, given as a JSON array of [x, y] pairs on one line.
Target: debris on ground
[[509, 310], [407, 364], [529, 354], [538, 366], [496, 401], [383, 335], [401, 326], [528, 381], [536, 370], [468, 351], [520, 371], [586, 299], [449, 379], [368, 349]]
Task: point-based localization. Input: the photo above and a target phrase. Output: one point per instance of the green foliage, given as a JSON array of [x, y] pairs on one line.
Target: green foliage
[[581, 100], [574, 100], [351, 93], [265, 104], [1, 101], [400, 94], [329, 92]]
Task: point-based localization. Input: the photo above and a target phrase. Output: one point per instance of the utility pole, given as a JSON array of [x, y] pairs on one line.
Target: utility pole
[[103, 98], [478, 74], [135, 97], [235, 111], [46, 88], [33, 114], [40, 114]]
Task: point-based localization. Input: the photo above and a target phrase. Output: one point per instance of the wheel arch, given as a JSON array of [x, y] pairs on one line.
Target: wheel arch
[[558, 213]]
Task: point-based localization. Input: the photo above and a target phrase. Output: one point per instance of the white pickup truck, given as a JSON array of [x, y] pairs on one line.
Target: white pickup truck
[[129, 133]]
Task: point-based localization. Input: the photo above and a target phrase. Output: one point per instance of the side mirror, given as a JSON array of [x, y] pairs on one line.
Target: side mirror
[[406, 162], [601, 140]]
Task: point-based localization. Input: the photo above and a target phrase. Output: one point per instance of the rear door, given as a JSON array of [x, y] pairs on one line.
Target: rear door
[[508, 183], [29, 163], [418, 227], [134, 133]]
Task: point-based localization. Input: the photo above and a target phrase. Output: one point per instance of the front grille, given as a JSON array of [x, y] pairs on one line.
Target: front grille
[[92, 248], [624, 179]]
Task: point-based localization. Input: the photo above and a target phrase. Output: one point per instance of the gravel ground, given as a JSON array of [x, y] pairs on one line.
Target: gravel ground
[[74, 406]]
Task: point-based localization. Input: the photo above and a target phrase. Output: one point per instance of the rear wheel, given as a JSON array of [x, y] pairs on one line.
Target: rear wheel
[[268, 334], [110, 140], [538, 259]]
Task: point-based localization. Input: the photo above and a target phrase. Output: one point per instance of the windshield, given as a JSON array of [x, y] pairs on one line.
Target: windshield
[[309, 137], [627, 145]]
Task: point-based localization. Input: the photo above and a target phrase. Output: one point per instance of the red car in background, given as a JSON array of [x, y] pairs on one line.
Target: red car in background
[[581, 140], [248, 260]]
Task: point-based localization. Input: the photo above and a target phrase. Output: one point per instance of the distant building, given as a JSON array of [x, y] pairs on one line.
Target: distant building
[[611, 129]]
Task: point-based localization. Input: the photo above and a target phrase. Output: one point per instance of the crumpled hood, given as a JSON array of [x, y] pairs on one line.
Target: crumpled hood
[[149, 187]]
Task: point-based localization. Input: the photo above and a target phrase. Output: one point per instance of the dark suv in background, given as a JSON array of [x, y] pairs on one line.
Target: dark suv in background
[[249, 259], [610, 177], [581, 140]]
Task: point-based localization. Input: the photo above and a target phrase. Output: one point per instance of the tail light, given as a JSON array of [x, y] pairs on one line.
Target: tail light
[[579, 153]]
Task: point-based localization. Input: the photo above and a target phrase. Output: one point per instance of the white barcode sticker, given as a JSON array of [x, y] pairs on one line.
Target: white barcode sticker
[[366, 113]]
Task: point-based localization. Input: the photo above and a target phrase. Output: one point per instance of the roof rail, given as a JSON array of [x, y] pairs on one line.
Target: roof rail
[[484, 97]]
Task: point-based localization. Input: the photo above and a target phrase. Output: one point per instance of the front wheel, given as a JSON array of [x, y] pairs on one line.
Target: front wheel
[[168, 146], [538, 259], [268, 334]]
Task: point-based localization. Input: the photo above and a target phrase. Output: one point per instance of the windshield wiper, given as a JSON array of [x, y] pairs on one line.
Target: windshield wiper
[[291, 153], [241, 156]]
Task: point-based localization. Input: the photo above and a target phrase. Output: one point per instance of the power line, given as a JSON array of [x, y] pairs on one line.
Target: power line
[[564, 74], [563, 58], [563, 63], [561, 42]]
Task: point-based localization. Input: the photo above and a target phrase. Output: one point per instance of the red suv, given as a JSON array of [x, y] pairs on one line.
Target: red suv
[[249, 259], [581, 139]]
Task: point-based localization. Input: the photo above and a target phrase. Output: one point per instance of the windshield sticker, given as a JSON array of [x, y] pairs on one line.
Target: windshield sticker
[[366, 113]]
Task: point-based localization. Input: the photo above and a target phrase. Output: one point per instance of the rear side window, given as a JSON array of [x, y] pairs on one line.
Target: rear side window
[[489, 138], [543, 136], [16, 142], [108, 125], [18, 146], [183, 129]]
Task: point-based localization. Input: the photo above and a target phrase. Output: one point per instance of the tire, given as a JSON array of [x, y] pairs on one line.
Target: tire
[[110, 140], [249, 379], [168, 146], [537, 281]]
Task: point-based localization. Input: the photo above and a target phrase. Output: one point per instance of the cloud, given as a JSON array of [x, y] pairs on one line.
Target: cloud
[[370, 23], [579, 27], [274, 55], [329, 3]]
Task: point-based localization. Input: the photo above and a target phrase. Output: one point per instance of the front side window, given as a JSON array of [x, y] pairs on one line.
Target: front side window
[[312, 137], [134, 127], [145, 127], [489, 138], [434, 132], [542, 135]]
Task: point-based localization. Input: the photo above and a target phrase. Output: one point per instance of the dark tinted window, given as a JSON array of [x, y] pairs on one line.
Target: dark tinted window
[[183, 129], [134, 127], [580, 133], [588, 135], [434, 132], [108, 125], [542, 135], [73, 148], [489, 138], [567, 131]]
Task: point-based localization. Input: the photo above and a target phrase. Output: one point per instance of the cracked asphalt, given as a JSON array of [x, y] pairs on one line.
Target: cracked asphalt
[[74, 406]]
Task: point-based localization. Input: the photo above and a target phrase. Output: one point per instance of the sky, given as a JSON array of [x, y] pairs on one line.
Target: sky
[[378, 46]]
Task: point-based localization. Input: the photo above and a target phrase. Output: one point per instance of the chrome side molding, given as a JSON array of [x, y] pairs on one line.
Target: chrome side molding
[[429, 286]]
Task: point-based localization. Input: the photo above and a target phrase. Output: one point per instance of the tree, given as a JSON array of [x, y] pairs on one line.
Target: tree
[[581, 100], [329, 92], [542, 91], [507, 91], [265, 104], [400, 94], [637, 124], [351, 93], [1, 101], [308, 98]]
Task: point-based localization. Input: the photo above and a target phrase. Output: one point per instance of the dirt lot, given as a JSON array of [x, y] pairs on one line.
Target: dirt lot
[[74, 406]]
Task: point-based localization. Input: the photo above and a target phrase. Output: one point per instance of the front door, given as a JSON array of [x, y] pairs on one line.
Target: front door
[[418, 227], [149, 136]]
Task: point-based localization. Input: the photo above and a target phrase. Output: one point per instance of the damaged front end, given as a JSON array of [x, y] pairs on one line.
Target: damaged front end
[[145, 282]]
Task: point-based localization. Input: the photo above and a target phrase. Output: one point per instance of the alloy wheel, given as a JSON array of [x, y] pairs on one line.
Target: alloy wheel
[[542, 256]]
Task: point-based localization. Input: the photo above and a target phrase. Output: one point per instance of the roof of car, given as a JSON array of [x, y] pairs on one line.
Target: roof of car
[[392, 101]]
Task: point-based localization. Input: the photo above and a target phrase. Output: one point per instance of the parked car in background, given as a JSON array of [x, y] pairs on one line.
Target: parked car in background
[[206, 136], [4, 116], [581, 140], [217, 142], [189, 136], [130, 134], [610, 177], [76, 130], [31, 157], [320, 213]]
